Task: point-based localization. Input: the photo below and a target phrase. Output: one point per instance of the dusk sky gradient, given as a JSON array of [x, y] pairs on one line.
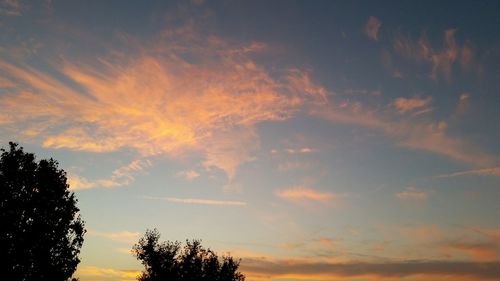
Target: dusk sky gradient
[[316, 140]]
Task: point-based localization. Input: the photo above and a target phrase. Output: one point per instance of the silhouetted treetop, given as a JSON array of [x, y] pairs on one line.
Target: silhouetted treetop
[[168, 261], [41, 231]]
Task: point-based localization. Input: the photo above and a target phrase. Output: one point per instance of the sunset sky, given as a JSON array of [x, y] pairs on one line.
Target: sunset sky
[[316, 140]]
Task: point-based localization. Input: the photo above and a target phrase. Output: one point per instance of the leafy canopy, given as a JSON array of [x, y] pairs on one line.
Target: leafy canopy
[[167, 261], [41, 231]]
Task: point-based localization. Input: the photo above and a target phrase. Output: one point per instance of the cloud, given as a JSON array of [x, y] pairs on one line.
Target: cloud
[[120, 236], [301, 193], [198, 201], [441, 60], [425, 269], [189, 175], [156, 102], [372, 27], [407, 132], [94, 273], [299, 150], [122, 176], [491, 172], [412, 193], [483, 251], [404, 105], [10, 7]]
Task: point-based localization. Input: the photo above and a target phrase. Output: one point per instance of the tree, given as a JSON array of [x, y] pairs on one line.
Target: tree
[[41, 231], [167, 261]]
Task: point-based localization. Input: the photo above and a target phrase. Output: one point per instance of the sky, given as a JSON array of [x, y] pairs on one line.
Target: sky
[[315, 140]]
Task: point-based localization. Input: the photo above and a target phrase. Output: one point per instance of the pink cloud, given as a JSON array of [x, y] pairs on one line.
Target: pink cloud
[[412, 193], [300, 193], [122, 176], [199, 201], [372, 27], [493, 172], [156, 102], [441, 60], [404, 105]]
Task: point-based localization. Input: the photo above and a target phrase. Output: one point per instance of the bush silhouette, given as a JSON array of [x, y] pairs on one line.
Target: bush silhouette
[[41, 232], [168, 261]]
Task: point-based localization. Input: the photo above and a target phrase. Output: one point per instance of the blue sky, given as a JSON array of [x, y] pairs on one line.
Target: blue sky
[[325, 140]]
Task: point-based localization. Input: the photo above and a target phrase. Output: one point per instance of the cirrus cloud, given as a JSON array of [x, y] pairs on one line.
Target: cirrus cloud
[[156, 102]]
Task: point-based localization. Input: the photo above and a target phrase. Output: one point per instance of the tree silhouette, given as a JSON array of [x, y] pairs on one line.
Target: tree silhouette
[[167, 261], [41, 232]]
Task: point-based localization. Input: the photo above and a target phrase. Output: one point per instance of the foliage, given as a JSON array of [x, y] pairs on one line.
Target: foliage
[[167, 261], [41, 231]]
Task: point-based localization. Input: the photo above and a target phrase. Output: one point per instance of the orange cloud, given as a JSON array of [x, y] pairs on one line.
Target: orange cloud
[[122, 176], [412, 193], [199, 201], [94, 273], [492, 172], [420, 270], [191, 174], [120, 236], [11, 7], [441, 61], [157, 102], [404, 105], [372, 27], [483, 251], [301, 193], [411, 133]]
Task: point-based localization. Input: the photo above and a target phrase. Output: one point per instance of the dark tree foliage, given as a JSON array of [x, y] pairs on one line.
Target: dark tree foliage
[[41, 232], [168, 261]]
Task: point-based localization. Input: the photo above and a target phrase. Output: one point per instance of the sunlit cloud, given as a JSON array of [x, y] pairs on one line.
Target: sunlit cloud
[[189, 174], [198, 201], [492, 172], [299, 150], [421, 51], [463, 104], [415, 134], [482, 251], [372, 27], [10, 7], [301, 193], [94, 273], [119, 236], [404, 105], [411, 193], [122, 176], [157, 103], [425, 269]]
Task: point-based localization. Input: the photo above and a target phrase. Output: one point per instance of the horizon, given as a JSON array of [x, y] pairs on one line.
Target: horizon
[[323, 140]]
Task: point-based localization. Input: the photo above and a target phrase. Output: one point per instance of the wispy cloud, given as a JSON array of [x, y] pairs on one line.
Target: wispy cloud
[[417, 269], [372, 27], [299, 150], [404, 105], [157, 102], [482, 251], [10, 7], [422, 51], [492, 172], [119, 236], [94, 273], [408, 132], [411, 193], [198, 201], [189, 174], [301, 193], [122, 176]]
